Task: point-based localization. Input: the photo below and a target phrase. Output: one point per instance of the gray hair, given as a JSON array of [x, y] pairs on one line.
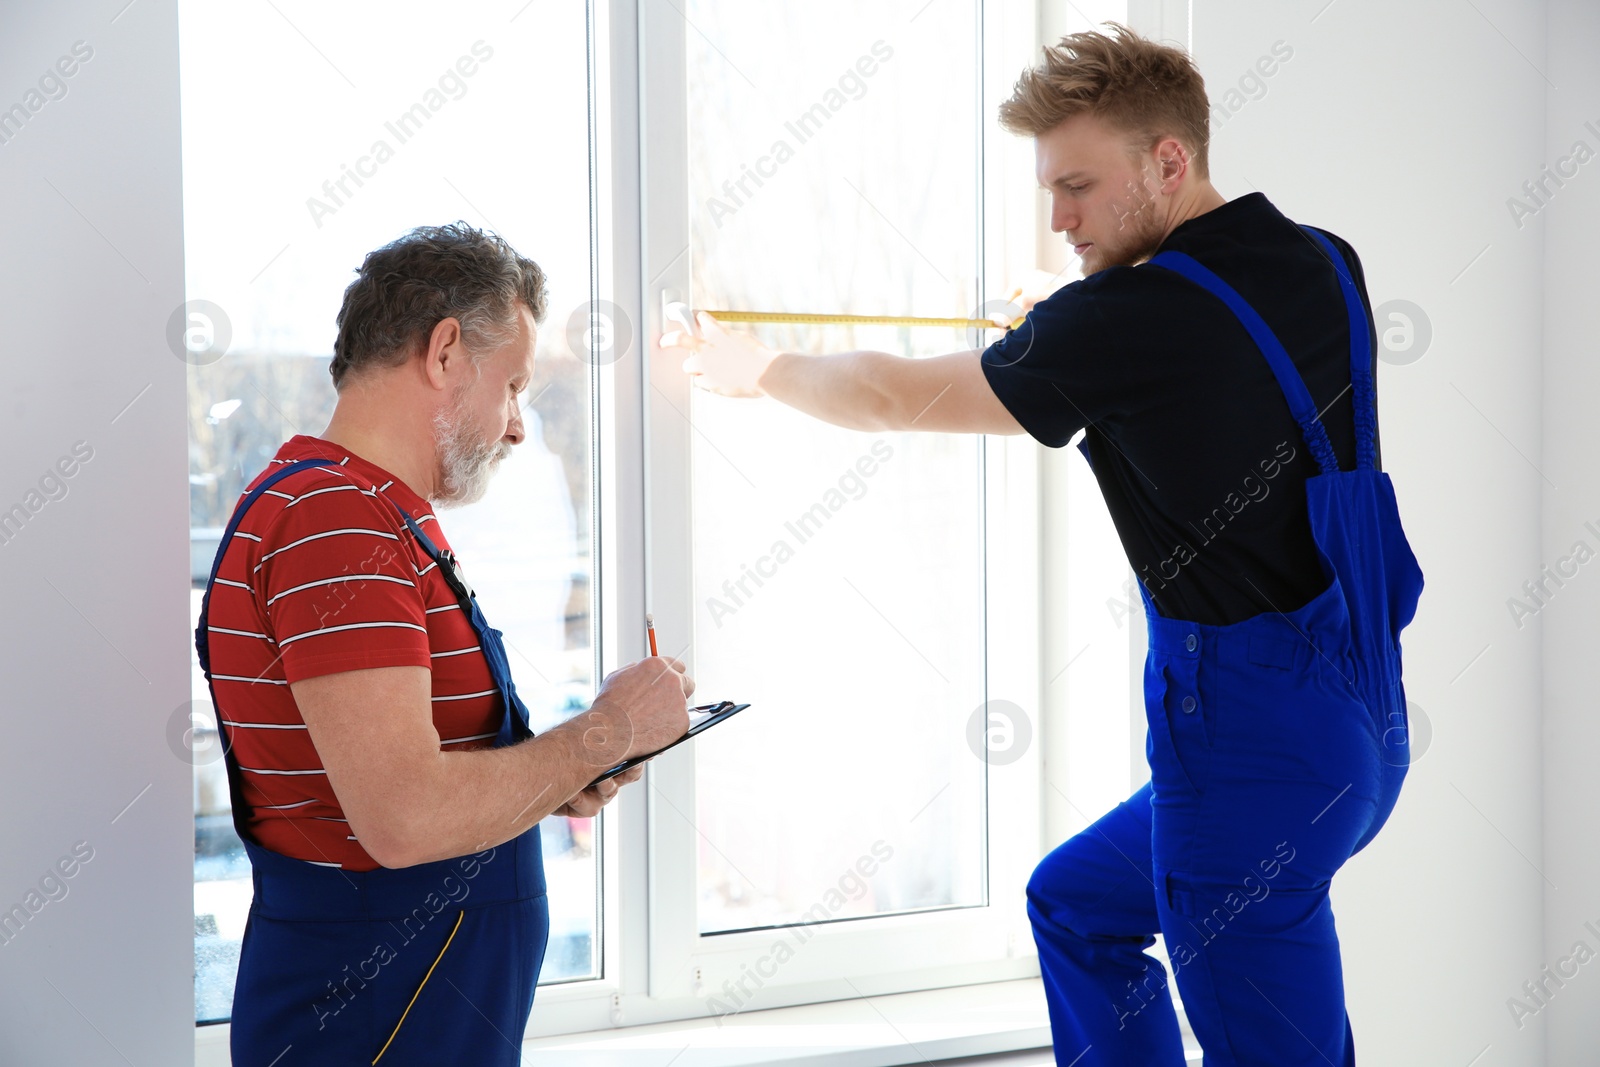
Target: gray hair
[[404, 289]]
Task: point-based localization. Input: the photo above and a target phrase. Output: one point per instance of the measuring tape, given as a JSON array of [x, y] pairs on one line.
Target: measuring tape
[[855, 320]]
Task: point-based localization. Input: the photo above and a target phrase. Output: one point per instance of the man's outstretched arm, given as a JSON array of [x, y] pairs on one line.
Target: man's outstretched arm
[[871, 391]]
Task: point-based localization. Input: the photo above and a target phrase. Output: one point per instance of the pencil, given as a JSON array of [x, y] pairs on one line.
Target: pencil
[[650, 629]]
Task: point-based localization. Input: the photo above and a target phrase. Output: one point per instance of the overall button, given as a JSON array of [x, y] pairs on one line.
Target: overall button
[[1190, 642], [1188, 705]]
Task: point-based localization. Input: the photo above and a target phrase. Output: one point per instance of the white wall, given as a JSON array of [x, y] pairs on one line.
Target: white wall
[[94, 585], [1407, 128], [1404, 128], [1570, 225]]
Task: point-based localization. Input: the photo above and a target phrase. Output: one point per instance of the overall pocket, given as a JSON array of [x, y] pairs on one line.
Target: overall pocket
[[1179, 717]]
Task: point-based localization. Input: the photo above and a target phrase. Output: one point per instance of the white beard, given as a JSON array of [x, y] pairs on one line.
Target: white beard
[[466, 461]]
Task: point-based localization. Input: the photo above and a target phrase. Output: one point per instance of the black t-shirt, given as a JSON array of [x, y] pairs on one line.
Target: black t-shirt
[[1201, 464]]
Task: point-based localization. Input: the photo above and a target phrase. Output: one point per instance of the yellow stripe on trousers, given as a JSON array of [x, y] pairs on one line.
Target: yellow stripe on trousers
[[418, 993]]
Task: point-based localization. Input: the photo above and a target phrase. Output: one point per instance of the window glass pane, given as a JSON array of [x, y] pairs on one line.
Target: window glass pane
[[314, 133], [838, 576]]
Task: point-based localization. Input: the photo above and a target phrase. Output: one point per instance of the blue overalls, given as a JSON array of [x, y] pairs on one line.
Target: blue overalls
[[1277, 746], [430, 964]]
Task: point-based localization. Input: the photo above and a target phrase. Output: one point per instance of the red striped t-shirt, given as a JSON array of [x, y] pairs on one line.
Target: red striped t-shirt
[[323, 576]]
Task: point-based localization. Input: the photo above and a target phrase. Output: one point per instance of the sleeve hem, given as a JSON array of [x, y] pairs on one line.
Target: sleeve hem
[[365, 659], [990, 370]]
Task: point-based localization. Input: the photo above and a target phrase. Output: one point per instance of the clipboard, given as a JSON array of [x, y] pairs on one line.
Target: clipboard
[[701, 719]]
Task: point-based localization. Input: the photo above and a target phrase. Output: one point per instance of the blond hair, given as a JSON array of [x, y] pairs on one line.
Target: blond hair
[[1141, 88]]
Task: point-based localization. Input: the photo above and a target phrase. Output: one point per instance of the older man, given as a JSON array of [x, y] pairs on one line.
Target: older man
[[384, 777]]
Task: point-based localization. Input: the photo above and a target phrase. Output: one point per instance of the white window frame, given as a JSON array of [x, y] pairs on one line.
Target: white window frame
[[924, 950]]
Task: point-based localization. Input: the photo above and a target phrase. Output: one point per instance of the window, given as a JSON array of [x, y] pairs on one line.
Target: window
[[827, 157], [861, 555], [313, 134]]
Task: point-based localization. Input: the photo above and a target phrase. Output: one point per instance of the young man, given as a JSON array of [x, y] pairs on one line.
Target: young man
[[383, 776], [1275, 575]]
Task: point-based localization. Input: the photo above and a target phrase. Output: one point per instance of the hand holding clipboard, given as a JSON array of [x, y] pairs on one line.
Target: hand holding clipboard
[[701, 718]]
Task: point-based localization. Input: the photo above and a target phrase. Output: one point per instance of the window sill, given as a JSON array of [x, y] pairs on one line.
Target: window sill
[[867, 1032]]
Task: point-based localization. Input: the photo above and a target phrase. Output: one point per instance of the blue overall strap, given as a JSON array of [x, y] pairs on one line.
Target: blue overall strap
[[1289, 380], [416, 531], [202, 632], [514, 726], [1364, 394]]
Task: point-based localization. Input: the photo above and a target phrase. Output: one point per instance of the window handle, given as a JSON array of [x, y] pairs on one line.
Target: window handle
[[677, 311]]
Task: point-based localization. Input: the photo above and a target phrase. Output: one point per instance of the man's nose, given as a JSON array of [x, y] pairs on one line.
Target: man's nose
[[1062, 218], [514, 428]]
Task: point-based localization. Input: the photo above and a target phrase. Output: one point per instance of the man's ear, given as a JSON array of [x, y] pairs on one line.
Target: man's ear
[[446, 354], [1173, 162]]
